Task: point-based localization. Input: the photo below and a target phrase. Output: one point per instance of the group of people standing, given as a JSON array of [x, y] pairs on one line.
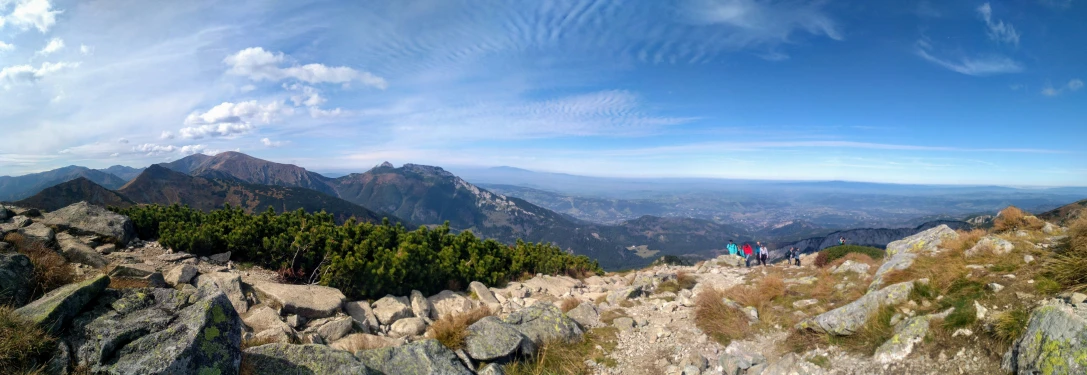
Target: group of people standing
[[760, 253]]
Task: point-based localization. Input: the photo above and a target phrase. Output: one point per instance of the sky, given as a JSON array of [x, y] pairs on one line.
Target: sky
[[935, 92]]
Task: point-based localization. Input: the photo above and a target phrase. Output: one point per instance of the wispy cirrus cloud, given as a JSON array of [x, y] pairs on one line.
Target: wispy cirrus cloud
[[1072, 85], [998, 30], [974, 66]]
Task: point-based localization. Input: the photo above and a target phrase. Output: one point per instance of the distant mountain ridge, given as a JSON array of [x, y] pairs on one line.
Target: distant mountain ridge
[[1065, 214], [125, 173], [16, 188], [75, 191]]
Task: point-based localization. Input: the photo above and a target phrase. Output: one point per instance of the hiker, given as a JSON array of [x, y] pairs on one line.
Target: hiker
[[747, 254], [764, 254], [796, 255], [841, 241], [732, 250]]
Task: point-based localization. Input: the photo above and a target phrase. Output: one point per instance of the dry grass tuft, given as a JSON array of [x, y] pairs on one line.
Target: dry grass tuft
[[1069, 267], [128, 283], [1010, 325], [965, 241], [717, 320], [609, 316], [1012, 218], [759, 295], [23, 346], [569, 303], [51, 270], [452, 330], [683, 281], [558, 357]]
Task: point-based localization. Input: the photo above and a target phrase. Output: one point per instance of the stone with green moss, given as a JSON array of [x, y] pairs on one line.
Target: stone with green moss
[[846, 320], [418, 358], [53, 311], [543, 322], [287, 359], [490, 340], [1055, 342]]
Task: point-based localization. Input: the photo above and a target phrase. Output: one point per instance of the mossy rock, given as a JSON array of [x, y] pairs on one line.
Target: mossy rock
[[53, 311], [418, 358], [287, 359], [1055, 342]]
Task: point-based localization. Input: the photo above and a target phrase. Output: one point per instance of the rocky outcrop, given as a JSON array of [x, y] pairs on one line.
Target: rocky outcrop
[[991, 244], [847, 319], [16, 274], [1055, 341], [418, 358], [492, 340], [287, 359], [76, 251], [586, 314], [38, 232], [231, 285], [902, 253], [53, 311], [543, 322], [310, 301], [851, 266], [85, 218]]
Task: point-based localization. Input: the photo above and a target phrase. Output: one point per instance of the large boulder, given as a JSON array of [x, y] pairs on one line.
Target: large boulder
[[57, 308], [76, 251], [38, 232], [16, 277], [264, 318], [1055, 341], [448, 303], [117, 317], [901, 253], [287, 359], [310, 301], [485, 295], [86, 218], [846, 320], [390, 308], [554, 285], [204, 338], [417, 358], [362, 314], [492, 340], [543, 322], [230, 284]]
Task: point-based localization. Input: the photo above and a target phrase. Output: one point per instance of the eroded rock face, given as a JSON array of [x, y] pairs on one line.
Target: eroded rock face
[[16, 272], [544, 322], [1055, 341], [87, 218], [287, 359], [418, 358], [53, 311], [310, 301], [492, 340], [847, 319]]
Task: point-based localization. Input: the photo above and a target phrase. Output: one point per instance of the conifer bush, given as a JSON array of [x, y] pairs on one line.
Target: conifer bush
[[361, 259]]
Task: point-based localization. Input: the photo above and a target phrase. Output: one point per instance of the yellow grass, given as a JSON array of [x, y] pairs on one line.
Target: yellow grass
[[51, 270], [717, 320], [569, 303], [452, 330]]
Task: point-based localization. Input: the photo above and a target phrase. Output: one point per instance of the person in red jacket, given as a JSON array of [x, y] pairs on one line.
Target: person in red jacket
[[747, 254]]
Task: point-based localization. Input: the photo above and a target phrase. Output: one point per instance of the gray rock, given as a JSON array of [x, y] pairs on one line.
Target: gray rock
[[57, 308], [407, 327], [417, 358], [792, 364], [220, 258], [116, 318], [806, 280], [491, 369], [5, 247], [995, 287], [485, 295], [907, 334], [447, 303], [353, 341], [1077, 298], [76, 251], [543, 322], [990, 244], [5, 214], [16, 279], [363, 316], [851, 266], [264, 318], [492, 340], [847, 319], [390, 308], [624, 294], [752, 313], [58, 363], [286, 359], [695, 360], [132, 270], [38, 232], [181, 274], [691, 370], [586, 314], [295, 321], [106, 249], [89, 219], [420, 306], [901, 253], [274, 335], [805, 303], [310, 301], [231, 285], [331, 329], [1055, 342], [175, 257]]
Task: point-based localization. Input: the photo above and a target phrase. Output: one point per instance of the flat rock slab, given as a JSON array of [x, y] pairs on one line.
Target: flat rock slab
[[310, 301], [175, 257], [86, 218], [287, 359], [39, 232], [57, 308], [847, 319], [543, 322], [490, 340], [76, 251], [418, 358]]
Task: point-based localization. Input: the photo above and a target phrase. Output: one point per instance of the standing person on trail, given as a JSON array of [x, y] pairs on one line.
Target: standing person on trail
[[732, 250], [764, 254], [796, 255], [747, 254], [841, 241]]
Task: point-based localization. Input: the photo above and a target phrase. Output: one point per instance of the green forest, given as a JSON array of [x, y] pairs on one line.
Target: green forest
[[364, 260]]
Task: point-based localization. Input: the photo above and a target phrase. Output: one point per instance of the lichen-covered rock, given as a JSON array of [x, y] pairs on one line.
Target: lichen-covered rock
[[1055, 341], [310, 301], [851, 266], [485, 295], [417, 358], [447, 303], [57, 308], [586, 314], [907, 334], [116, 318], [390, 308], [231, 285], [204, 338], [85, 218], [990, 244], [407, 327], [901, 253], [492, 340], [847, 319], [76, 251], [287, 359], [543, 322], [420, 306], [16, 272]]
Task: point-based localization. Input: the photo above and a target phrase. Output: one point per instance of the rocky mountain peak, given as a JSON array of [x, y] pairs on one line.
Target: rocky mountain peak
[[386, 165]]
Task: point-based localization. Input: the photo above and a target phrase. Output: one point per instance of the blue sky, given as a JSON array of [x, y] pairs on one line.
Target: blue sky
[[955, 92]]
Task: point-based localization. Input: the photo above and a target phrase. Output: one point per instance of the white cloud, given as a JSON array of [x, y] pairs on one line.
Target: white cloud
[[166, 134], [979, 66], [152, 149], [4, 47], [85, 49], [998, 31], [54, 45], [763, 23], [26, 73], [191, 149], [31, 13], [257, 64], [1072, 85], [269, 143], [231, 119]]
